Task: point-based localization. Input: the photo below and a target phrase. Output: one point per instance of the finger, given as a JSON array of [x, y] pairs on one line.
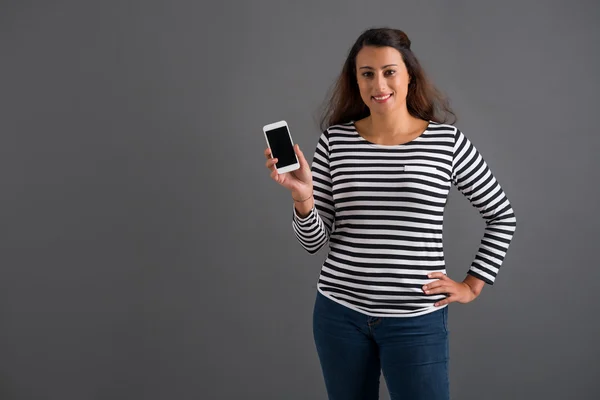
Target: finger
[[439, 290], [438, 275], [271, 163], [447, 300], [433, 284], [275, 175], [268, 153], [437, 287]]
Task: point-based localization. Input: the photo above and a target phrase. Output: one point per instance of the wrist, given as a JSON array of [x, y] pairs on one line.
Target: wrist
[[303, 208], [299, 198], [474, 284]]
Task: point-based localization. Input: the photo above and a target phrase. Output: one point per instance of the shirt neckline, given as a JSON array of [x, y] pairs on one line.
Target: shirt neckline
[[417, 138]]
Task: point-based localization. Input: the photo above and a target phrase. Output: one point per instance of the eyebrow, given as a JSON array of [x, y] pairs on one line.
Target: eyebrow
[[385, 66]]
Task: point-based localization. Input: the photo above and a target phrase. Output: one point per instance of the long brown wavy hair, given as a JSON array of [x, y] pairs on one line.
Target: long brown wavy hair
[[423, 100]]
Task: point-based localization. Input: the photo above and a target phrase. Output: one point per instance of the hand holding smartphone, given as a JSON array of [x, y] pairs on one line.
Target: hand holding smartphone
[[288, 165], [279, 140]]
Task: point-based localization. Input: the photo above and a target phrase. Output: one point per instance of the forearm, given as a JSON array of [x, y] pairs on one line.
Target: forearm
[[303, 206], [474, 179], [311, 230]]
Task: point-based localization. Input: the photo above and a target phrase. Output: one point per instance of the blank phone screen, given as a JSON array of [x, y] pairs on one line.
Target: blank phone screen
[[281, 146]]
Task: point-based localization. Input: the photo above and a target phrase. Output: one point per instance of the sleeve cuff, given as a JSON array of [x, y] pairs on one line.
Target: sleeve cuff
[[480, 276], [305, 219]]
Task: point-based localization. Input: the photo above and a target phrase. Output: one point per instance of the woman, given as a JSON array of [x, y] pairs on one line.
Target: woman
[[379, 182]]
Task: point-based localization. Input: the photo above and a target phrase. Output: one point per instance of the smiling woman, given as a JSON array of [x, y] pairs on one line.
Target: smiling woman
[[379, 56], [376, 194]]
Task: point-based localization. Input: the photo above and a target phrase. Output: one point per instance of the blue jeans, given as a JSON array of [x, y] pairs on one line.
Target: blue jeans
[[354, 348]]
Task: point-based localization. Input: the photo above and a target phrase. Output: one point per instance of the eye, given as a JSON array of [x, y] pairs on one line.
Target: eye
[[367, 74], [390, 72]]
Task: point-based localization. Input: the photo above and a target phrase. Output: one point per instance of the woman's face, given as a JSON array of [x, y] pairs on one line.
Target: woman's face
[[382, 79]]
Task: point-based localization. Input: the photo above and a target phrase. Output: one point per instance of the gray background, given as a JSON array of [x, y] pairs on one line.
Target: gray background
[[146, 254]]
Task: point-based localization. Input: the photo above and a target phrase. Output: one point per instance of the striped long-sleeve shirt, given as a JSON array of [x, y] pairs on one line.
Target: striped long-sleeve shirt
[[381, 210]]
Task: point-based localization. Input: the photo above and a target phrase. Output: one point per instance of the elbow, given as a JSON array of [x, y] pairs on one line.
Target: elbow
[[314, 248]]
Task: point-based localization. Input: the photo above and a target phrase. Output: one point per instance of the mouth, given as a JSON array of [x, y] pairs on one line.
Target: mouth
[[383, 98]]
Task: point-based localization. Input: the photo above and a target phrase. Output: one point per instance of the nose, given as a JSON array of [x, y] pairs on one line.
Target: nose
[[380, 83]]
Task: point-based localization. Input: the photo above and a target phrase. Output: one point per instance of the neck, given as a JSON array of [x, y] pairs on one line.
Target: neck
[[394, 124]]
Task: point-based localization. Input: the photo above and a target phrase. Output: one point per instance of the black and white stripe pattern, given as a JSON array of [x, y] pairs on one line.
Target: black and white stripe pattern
[[381, 209]]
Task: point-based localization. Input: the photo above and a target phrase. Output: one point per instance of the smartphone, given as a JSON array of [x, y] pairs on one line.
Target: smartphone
[[279, 140]]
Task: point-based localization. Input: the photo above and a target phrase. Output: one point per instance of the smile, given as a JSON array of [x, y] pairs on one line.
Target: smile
[[382, 99]]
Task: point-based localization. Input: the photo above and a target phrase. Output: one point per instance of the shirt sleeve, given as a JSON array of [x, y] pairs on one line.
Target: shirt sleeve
[[476, 182], [314, 230]]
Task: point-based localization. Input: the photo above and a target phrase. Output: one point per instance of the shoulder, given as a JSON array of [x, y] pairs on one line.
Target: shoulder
[[445, 133], [339, 131], [443, 127], [340, 128]]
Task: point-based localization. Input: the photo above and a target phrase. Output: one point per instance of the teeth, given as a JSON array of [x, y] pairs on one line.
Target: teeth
[[382, 98]]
